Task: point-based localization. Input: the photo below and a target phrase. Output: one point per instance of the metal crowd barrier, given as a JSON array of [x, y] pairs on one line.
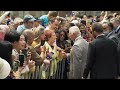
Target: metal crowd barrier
[[37, 74]]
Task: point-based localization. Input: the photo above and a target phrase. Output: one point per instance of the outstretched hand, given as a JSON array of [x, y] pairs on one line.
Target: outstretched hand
[[6, 13]]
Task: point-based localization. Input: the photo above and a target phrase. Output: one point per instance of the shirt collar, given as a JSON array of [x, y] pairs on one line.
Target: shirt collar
[[100, 35], [77, 38]]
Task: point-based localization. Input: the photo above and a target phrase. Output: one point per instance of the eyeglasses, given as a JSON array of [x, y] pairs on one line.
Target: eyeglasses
[[21, 23]]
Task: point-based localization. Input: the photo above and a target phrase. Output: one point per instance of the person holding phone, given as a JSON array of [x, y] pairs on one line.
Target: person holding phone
[[37, 57], [18, 42], [39, 39]]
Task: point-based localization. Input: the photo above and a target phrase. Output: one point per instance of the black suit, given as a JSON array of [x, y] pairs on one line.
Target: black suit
[[102, 62], [106, 33], [114, 35]]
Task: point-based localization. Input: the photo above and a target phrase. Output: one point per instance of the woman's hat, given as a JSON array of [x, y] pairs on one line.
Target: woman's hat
[[4, 68]]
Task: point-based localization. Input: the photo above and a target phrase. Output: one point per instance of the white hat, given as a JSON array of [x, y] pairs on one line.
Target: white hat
[[4, 68], [18, 20], [74, 22]]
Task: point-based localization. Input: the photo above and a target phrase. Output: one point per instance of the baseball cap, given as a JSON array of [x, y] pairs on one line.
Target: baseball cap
[[37, 19], [4, 68], [29, 18]]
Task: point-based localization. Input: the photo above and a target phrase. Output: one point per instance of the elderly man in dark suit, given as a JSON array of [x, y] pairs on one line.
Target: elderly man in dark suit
[[78, 54], [102, 61]]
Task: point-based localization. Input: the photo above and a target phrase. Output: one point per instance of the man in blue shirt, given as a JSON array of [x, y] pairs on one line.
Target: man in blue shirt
[[28, 23]]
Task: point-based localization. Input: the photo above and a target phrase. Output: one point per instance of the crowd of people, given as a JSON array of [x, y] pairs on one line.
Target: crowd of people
[[76, 47]]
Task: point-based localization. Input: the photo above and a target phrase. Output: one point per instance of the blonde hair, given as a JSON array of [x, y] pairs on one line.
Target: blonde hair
[[38, 31]]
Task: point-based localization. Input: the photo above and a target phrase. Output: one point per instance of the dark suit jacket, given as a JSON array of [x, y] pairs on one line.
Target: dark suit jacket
[[106, 33], [113, 36], [102, 61]]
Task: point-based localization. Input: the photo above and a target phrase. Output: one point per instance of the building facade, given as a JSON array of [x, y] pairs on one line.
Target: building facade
[[61, 13]]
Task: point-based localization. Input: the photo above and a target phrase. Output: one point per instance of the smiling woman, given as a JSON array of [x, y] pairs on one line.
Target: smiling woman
[[48, 34], [18, 43], [52, 54], [21, 43]]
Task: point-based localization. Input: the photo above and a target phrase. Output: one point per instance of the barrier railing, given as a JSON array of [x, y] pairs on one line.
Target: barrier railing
[[41, 70]]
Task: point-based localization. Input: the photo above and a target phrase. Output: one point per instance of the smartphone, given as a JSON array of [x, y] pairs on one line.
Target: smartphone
[[25, 52], [21, 59], [83, 22], [42, 42]]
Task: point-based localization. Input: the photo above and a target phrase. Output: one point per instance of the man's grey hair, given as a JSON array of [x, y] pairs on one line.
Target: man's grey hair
[[27, 32], [75, 30]]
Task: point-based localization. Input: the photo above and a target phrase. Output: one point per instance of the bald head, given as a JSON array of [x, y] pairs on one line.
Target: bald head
[[75, 30], [28, 32], [5, 28], [29, 35]]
